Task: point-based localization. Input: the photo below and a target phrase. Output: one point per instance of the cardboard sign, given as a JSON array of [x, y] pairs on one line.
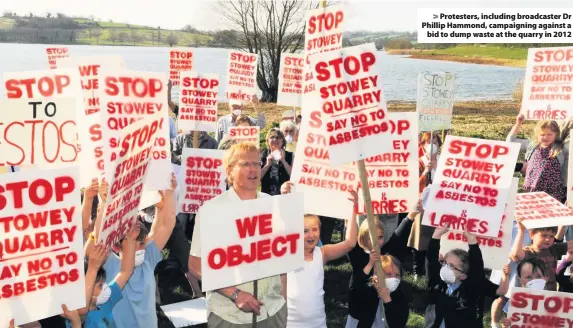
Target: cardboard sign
[[203, 177], [39, 132], [538, 210], [540, 308], [180, 60], [198, 102], [548, 84], [241, 75], [494, 249], [352, 102], [250, 240], [89, 125], [392, 176], [290, 80], [471, 185], [435, 100], [42, 84], [127, 97], [55, 53], [41, 249], [324, 28], [130, 169], [570, 176], [245, 134]]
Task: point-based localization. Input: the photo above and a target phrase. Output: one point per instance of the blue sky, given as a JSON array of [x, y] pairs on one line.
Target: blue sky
[[376, 15]]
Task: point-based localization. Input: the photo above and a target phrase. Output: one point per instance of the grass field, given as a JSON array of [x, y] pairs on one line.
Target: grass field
[[477, 54], [490, 120]]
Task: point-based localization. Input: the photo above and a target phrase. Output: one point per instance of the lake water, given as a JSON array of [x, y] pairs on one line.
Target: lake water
[[399, 74]]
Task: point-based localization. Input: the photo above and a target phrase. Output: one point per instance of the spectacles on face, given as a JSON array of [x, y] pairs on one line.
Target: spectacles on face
[[275, 138], [244, 165], [444, 263]]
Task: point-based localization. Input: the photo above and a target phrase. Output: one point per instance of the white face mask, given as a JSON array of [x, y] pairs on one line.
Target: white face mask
[[146, 217], [104, 294], [289, 139], [276, 155], [434, 151], [237, 112], [536, 284], [139, 257], [392, 284], [447, 275]]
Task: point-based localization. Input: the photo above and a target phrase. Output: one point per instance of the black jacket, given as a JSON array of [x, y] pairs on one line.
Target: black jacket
[[269, 185], [565, 282], [461, 309], [363, 299], [398, 310]]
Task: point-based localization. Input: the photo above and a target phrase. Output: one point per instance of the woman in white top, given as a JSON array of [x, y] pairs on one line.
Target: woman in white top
[[305, 293]]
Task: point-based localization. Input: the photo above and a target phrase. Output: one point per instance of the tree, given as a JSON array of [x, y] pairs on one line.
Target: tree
[[189, 29], [113, 35], [267, 28], [172, 40], [135, 36], [48, 15], [158, 34], [123, 36], [96, 33]]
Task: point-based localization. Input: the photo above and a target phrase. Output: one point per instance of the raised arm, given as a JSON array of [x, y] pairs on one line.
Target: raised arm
[[517, 254], [332, 252], [433, 257], [89, 194], [103, 192], [128, 246], [96, 257], [164, 217], [477, 272], [504, 284], [177, 149]]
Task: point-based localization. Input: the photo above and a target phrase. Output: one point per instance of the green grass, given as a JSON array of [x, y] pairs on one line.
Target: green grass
[[491, 51]]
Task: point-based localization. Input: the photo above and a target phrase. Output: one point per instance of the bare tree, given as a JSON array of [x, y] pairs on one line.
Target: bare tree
[[267, 28], [172, 39], [123, 36], [113, 35], [135, 36], [97, 33]]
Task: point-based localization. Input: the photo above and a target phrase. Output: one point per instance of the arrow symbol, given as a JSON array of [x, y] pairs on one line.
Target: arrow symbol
[[435, 16]]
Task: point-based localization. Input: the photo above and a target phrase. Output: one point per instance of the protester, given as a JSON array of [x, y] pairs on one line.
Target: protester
[[175, 109], [395, 302], [288, 115], [363, 300], [185, 140], [544, 159], [242, 120], [276, 163], [298, 120], [421, 234], [455, 286], [287, 188], [290, 131], [236, 108], [137, 308], [233, 306], [305, 287], [564, 277]]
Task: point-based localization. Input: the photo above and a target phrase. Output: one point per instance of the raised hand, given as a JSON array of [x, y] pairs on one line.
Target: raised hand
[[287, 188], [92, 191]]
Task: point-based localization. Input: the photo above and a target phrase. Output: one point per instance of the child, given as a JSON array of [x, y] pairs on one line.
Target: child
[[363, 302], [565, 282], [305, 293], [100, 297], [544, 158], [455, 287], [395, 303]]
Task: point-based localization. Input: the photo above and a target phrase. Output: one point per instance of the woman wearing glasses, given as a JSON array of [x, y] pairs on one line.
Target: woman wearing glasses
[[276, 163]]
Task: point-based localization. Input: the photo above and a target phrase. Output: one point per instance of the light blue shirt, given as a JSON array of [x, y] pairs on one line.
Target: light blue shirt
[[451, 289], [137, 308], [102, 317], [172, 129]]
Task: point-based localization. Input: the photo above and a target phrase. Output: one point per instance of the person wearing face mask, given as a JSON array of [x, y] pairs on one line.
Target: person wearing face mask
[[276, 163], [565, 280], [455, 285], [290, 131], [101, 297], [363, 300], [229, 120], [395, 302], [137, 308]]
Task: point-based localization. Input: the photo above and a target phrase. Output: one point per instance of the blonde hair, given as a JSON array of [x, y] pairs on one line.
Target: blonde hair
[[388, 261], [552, 126], [364, 234], [231, 154], [279, 135], [314, 217]]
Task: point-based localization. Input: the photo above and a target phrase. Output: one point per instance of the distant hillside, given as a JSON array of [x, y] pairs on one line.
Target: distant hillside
[[382, 40], [76, 30]]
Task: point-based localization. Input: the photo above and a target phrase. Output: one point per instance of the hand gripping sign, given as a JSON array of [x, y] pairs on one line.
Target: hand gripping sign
[[245, 134], [471, 186], [435, 100], [198, 102], [392, 176], [89, 125], [180, 60], [250, 240], [241, 75], [290, 80], [548, 84], [127, 97], [203, 177], [352, 103], [540, 308], [538, 210], [40, 132], [130, 168], [494, 249], [54, 53], [41, 248]]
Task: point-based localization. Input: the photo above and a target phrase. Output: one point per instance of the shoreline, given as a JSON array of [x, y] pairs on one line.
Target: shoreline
[[431, 55]]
